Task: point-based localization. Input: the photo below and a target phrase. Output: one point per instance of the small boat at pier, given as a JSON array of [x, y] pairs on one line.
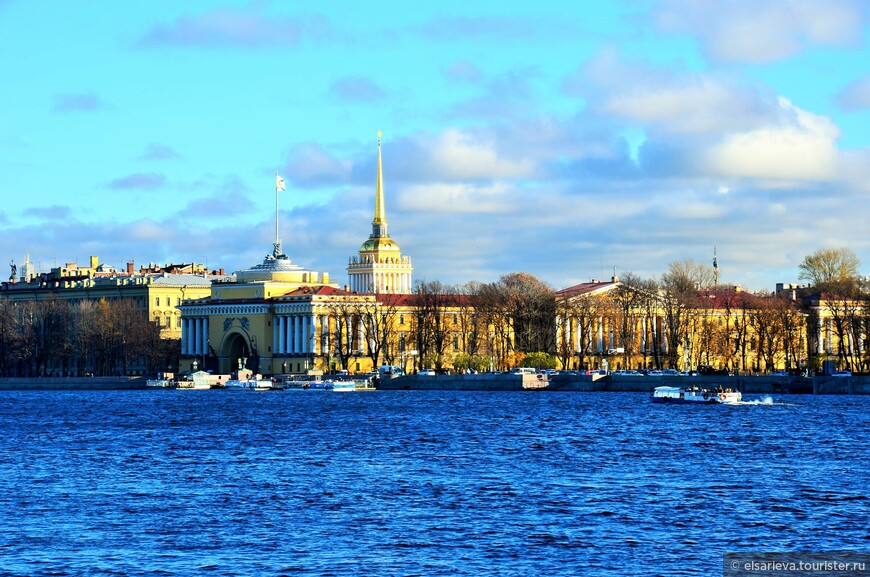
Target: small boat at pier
[[340, 386], [681, 395]]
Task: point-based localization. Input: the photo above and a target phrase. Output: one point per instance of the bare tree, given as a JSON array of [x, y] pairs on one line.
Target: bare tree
[[685, 276], [829, 269]]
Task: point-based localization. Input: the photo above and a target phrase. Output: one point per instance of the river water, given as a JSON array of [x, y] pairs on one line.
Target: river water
[[428, 483]]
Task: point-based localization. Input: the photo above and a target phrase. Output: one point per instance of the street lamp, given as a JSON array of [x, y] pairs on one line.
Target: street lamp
[[195, 365]]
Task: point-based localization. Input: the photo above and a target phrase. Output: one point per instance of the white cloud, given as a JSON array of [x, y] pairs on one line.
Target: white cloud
[[670, 99], [804, 149], [464, 156], [455, 154], [763, 30], [451, 198]]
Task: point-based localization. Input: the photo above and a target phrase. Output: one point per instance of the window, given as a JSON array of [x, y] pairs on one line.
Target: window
[[157, 301], [455, 343], [455, 319], [401, 319]]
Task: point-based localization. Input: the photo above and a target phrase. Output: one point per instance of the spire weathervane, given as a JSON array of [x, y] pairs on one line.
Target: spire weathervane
[[379, 224]]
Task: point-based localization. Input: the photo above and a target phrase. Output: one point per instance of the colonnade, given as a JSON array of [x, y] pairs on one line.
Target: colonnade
[[603, 336], [194, 336], [296, 334], [381, 282]]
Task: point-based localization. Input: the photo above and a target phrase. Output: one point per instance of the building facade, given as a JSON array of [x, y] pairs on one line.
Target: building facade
[[606, 324], [276, 318], [87, 319]]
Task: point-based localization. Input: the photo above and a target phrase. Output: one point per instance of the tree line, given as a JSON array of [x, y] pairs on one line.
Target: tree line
[[495, 325], [59, 337]]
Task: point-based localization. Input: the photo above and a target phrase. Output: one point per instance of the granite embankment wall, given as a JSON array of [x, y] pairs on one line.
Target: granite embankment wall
[[71, 383], [750, 385], [859, 385]]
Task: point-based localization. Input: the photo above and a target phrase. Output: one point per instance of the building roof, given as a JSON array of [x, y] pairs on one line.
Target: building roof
[[596, 286], [184, 279]]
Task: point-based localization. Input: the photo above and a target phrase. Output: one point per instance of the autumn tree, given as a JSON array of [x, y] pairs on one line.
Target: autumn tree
[[530, 305], [830, 269]]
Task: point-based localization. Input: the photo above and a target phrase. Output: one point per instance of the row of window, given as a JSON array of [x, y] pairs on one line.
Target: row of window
[[167, 301]]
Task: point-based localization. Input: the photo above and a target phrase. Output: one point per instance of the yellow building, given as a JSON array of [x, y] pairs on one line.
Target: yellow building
[[94, 319], [606, 324], [277, 317], [158, 290]]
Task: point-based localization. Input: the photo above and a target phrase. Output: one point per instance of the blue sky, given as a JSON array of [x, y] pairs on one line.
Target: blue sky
[[563, 139]]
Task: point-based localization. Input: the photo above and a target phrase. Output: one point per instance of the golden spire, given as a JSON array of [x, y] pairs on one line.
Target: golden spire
[[379, 224]]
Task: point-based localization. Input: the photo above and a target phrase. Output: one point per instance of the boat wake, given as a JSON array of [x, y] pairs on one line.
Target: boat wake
[[766, 400]]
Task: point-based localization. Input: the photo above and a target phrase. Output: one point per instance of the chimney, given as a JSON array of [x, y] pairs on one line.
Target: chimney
[[130, 269]]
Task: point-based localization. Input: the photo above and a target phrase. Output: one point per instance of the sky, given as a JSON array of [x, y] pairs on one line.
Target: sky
[[568, 140]]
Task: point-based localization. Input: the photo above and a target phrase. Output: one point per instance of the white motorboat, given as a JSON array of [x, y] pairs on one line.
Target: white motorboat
[[340, 386], [681, 395], [160, 384], [237, 384]]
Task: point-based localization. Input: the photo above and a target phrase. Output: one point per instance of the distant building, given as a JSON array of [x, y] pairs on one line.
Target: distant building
[[52, 317], [158, 290], [277, 318], [606, 323]]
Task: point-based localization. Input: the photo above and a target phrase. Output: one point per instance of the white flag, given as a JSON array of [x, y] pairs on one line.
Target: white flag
[[279, 182]]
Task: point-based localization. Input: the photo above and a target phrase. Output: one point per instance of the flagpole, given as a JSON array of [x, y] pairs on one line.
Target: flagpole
[[276, 209]]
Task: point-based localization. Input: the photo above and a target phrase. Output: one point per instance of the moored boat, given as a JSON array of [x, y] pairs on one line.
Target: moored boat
[[340, 386], [681, 395], [160, 384], [270, 385]]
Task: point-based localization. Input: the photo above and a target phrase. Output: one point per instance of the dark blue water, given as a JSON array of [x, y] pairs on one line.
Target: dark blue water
[[421, 483]]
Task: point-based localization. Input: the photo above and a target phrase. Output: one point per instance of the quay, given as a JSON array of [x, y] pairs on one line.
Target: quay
[[855, 385], [71, 383], [819, 385]]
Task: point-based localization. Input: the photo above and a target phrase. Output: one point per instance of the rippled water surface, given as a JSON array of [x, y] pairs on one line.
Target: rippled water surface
[[421, 483]]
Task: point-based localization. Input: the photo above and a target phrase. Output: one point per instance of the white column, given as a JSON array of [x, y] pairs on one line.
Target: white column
[[325, 333], [197, 344], [194, 348], [185, 334], [274, 335], [312, 341], [600, 333], [306, 334], [202, 336], [291, 334], [664, 335], [294, 336], [280, 346], [820, 339], [194, 335]]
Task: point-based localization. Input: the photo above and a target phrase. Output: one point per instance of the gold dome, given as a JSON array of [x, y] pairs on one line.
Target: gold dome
[[382, 244]]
